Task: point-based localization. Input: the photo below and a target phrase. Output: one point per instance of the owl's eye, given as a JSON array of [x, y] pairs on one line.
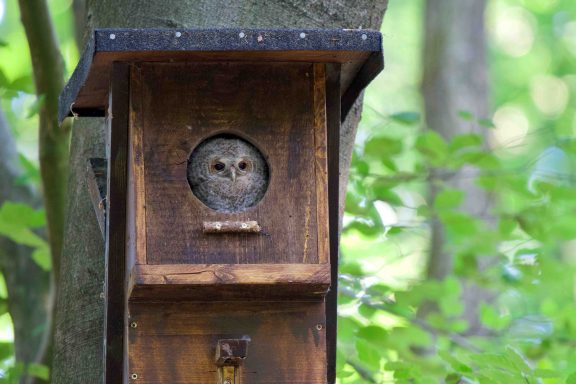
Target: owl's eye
[[218, 166], [242, 165]]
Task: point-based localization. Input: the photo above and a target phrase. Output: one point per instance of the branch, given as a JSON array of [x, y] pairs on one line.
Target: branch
[[48, 68]]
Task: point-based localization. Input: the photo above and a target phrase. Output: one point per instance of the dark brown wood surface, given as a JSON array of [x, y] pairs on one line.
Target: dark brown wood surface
[[94, 92], [225, 281], [333, 72], [136, 249], [269, 104], [115, 264], [176, 343], [321, 169]]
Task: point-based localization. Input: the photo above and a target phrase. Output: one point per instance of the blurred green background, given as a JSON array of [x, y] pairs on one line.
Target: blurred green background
[[398, 324]]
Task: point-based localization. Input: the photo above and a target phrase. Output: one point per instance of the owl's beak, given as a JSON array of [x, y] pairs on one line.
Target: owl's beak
[[233, 174]]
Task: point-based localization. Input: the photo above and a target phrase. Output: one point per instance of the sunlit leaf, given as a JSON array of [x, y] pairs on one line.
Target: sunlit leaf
[[380, 147], [448, 199], [407, 118], [38, 370]]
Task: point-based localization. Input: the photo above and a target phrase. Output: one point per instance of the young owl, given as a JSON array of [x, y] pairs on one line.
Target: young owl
[[227, 174]]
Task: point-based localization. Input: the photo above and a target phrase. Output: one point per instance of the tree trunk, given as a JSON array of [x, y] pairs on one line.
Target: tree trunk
[[455, 80], [78, 341]]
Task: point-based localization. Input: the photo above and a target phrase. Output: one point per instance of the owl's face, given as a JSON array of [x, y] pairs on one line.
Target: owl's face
[[230, 167], [227, 174]]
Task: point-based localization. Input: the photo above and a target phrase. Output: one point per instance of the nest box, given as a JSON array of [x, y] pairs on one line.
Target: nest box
[[221, 218]]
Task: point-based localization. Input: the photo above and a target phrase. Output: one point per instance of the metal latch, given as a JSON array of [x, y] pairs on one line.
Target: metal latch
[[229, 356]]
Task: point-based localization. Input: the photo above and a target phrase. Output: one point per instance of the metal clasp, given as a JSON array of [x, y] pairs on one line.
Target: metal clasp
[[229, 356]]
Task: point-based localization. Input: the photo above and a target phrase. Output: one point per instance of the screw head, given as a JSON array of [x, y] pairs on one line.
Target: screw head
[[241, 35], [364, 36], [227, 381], [134, 376], [112, 36], [178, 34], [319, 326], [133, 324], [302, 35]]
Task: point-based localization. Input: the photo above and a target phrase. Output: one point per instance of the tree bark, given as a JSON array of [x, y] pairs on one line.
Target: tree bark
[[29, 288], [81, 352], [455, 79]]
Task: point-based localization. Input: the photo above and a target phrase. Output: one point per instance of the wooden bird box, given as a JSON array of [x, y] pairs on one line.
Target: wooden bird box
[[196, 293]]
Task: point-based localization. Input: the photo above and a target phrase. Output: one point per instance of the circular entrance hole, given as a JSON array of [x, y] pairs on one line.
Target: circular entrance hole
[[227, 173]]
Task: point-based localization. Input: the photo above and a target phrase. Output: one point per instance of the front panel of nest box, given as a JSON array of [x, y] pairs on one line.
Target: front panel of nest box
[[234, 162]]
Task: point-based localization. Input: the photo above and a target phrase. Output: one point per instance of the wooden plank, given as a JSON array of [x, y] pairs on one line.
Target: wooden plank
[[176, 343], [321, 168], [271, 106], [229, 281], [96, 178], [333, 123], [92, 95], [136, 187], [115, 262]]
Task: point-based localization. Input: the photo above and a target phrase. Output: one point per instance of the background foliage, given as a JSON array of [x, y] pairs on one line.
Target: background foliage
[[395, 325]]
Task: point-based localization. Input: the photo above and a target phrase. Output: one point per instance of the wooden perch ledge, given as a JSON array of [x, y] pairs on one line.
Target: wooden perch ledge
[[231, 227], [228, 281]]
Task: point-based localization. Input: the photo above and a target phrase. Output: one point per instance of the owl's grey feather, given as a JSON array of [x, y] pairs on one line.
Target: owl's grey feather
[[230, 189]]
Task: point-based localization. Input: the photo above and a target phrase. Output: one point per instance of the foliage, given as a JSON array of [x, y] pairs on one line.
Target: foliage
[[397, 326]]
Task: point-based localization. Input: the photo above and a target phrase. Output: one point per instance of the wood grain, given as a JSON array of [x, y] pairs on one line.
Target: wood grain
[[231, 227], [333, 72], [136, 186], [93, 94], [115, 264], [321, 155], [271, 105], [176, 343], [229, 281]]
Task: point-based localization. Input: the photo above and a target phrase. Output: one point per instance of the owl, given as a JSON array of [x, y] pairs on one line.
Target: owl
[[227, 174]]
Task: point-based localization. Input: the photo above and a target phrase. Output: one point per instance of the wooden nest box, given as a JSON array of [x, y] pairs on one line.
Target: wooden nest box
[[221, 218]]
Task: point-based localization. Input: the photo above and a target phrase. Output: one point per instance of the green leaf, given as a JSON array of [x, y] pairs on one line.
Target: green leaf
[[380, 147], [6, 350], [456, 364], [406, 118], [38, 370], [31, 171], [369, 355], [433, 146], [465, 141], [466, 115], [571, 379], [351, 268], [24, 84], [487, 123], [3, 43], [22, 215], [374, 335], [36, 105], [546, 373], [362, 167], [448, 199], [4, 82], [42, 257]]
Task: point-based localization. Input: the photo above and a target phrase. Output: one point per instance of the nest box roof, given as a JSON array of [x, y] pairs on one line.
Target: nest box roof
[[358, 51]]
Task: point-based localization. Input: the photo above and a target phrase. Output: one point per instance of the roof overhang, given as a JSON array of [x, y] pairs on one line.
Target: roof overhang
[[358, 51]]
